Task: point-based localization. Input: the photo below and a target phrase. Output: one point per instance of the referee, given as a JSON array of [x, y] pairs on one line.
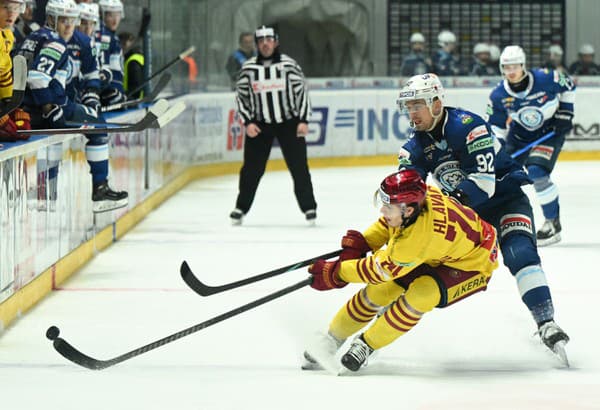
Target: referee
[[272, 98]]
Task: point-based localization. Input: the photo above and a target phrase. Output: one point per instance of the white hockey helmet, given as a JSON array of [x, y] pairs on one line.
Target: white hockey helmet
[[62, 8], [417, 38], [555, 50], [481, 48], [89, 11], [112, 5], [446, 37], [512, 55], [19, 7], [426, 87], [586, 49]]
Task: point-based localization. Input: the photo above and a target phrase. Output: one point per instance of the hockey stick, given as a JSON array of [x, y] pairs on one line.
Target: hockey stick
[[160, 122], [531, 144], [180, 57], [71, 353], [154, 113], [19, 85], [205, 290], [160, 86]]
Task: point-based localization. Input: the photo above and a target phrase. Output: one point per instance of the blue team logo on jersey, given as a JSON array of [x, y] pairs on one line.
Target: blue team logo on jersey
[[531, 118], [449, 175]]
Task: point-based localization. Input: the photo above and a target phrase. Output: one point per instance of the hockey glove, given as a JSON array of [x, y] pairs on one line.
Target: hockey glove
[[354, 246], [8, 129], [113, 96], [106, 75], [55, 117], [22, 119], [91, 99], [562, 122], [325, 275]]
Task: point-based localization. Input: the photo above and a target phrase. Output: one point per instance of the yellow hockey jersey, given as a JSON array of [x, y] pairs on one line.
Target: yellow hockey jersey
[[6, 77], [445, 232]]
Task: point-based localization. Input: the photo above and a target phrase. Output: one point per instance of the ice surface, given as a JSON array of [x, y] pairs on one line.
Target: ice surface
[[477, 354]]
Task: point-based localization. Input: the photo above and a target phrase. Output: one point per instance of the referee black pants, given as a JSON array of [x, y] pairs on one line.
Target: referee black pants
[[256, 155]]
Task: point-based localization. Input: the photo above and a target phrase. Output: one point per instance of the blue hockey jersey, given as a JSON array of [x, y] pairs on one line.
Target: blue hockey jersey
[[49, 68], [85, 75], [526, 115], [467, 157], [110, 57]]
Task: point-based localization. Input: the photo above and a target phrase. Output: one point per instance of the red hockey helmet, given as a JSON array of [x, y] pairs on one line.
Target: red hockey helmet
[[402, 187]]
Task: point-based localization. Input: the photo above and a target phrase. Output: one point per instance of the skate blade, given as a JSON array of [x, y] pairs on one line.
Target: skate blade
[[550, 241], [105, 206], [559, 350]]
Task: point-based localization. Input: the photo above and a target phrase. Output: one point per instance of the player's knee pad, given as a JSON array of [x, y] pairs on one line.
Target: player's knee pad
[[423, 293], [519, 251], [383, 294]]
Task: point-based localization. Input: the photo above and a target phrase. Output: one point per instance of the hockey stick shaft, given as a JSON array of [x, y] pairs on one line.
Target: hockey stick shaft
[[72, 354], [180, 57], [205, 290], [153, 115], [532, 144]]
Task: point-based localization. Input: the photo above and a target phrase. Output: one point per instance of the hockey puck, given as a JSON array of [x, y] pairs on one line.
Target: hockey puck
[[52, 332]]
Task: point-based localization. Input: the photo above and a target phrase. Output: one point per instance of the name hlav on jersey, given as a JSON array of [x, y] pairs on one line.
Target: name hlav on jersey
[[527, 113]]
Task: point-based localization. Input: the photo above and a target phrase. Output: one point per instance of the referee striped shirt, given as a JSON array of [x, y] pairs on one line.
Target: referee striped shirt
[[272, 93]]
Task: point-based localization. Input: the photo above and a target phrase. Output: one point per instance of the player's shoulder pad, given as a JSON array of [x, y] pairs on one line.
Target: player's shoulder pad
[[458, 117], [498, 90]]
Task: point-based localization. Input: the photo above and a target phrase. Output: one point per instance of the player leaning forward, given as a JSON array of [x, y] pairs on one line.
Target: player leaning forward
[[464, 157], [428, 251]]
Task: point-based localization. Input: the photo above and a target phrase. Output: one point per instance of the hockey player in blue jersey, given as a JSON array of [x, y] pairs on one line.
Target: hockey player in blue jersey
[[50, 68], [460, 151], [110, 55], [84, 82], [525, 106]]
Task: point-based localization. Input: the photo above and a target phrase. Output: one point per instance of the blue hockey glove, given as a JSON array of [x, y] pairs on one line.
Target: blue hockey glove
[[106, 75], [55, 117], [113, 96], [91, 99]]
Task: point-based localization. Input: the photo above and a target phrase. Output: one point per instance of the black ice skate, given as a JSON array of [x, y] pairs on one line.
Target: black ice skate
[[311, 217], [236, 216], [357, 355], [105, 199], [555, 339], [549, 233]]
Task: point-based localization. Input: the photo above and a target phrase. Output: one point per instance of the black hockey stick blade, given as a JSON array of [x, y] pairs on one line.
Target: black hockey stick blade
[[206, 290], [153, 114], [19, 85], [69, 352], [160, 86]]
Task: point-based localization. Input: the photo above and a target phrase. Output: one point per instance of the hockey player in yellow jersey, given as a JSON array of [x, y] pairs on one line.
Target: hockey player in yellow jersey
[[428, 251], [18, 119]]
